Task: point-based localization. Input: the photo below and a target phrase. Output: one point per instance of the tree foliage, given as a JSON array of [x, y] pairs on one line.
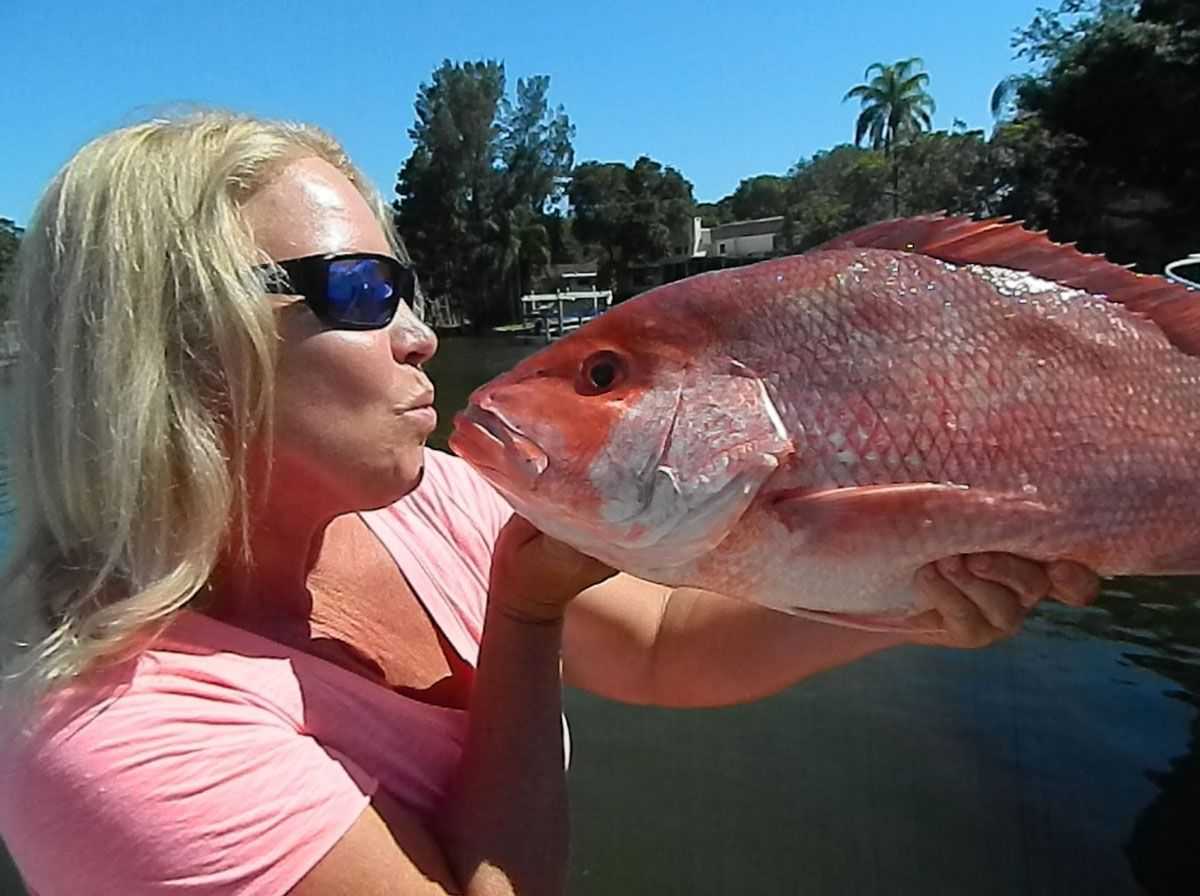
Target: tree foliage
[[1103, 146], [10, 239], [762, 196], [895, 103], [485, 173], [632, 214], [896, 107], [948, 171], [832, 192]]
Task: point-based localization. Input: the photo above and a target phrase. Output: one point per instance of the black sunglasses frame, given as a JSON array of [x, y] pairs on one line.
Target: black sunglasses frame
[[308, 277]]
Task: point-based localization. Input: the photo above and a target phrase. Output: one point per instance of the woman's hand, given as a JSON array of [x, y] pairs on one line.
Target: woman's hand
[[534, 576], [984, 598]]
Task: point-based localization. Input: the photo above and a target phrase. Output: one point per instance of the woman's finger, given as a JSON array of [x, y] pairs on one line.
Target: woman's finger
[[1027, 579], [964, 622], [998, 605], [1073, 583]]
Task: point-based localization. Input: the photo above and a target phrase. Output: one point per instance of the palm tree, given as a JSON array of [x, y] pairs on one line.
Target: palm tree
[[895, 106]]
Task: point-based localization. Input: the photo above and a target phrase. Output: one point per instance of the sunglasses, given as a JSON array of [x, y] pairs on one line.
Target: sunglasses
[[354, 291]]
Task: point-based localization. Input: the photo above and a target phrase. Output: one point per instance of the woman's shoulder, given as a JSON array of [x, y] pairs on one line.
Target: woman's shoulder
[[143, 762], [197, 671]]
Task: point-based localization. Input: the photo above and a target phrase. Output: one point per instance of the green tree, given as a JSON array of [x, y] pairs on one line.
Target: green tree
[[895, 106], [536, 145], [10, 239], [633, 214], [714, 213], [1104, 149], [447, 187], [537, 154], [763, 196], [519, 249], [949, 171], [484, 175], [834, 191]]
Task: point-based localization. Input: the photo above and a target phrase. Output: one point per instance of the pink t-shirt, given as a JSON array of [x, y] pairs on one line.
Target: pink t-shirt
[[221, 762]]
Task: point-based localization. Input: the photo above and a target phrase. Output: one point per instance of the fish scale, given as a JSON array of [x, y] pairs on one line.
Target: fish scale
[[807, 432], [989, 424]]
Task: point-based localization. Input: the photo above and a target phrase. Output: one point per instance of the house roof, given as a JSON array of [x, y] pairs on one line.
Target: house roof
[[756, 227]]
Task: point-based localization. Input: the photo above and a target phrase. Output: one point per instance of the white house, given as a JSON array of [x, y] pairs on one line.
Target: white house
[[738, 239]]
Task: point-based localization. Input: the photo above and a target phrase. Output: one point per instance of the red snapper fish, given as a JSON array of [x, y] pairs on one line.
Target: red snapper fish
[[806, 432]]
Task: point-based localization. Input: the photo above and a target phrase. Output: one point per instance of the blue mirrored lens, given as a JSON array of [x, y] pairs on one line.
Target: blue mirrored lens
[[361, 291]]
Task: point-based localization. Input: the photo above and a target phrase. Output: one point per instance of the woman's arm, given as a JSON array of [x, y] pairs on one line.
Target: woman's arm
[[505, 828], [637, 642]]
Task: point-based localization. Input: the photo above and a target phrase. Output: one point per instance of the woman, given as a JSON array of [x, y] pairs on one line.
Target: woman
[[273, 643]]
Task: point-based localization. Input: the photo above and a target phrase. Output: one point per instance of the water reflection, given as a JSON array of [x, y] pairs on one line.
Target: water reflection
[[1027, 768], [1160, 619], [1066, 761]]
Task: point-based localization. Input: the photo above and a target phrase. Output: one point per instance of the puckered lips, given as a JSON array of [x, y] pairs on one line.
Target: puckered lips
[[497, 448]]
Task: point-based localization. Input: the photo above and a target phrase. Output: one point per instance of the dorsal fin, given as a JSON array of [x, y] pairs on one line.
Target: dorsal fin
[[1007, 244]]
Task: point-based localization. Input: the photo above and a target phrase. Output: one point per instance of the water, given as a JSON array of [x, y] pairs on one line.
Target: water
[[1065, 761]]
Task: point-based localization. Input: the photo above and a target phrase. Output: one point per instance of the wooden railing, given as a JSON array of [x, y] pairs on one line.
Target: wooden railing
[[553, 314]]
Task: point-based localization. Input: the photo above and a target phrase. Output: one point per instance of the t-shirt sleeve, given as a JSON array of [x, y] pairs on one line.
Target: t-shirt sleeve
[[198, 791]]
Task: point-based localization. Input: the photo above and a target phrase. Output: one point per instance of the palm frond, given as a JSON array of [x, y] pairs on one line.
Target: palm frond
[[904, 66], [862, 91], [914, 84], [878, 132], [865, 119], [895, 102]]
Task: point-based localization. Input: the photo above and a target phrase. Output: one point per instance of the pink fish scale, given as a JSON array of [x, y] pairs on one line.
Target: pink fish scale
[[1016, 391], [1070, 411]]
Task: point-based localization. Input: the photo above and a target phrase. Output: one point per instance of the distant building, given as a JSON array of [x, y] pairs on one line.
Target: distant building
[[712, 248], [758, 238]]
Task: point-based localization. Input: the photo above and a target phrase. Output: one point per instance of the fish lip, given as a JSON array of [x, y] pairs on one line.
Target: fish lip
[[492, 443]]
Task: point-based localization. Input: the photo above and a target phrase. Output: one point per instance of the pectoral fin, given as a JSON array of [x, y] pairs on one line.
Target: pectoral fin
[[932, 518]]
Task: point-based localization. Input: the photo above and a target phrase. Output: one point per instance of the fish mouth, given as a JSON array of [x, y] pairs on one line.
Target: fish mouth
[[487, 441]]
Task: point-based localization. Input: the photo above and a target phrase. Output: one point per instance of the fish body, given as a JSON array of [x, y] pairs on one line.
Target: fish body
[[806, 432]]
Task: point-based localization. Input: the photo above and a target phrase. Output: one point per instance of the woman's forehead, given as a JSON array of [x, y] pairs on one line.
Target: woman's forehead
[[309, 208]]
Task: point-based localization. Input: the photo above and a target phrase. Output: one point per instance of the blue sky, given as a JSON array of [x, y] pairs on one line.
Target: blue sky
[[718, 93]]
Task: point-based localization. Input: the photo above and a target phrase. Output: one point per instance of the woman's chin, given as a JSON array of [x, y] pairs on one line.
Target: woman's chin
[[405, 476]]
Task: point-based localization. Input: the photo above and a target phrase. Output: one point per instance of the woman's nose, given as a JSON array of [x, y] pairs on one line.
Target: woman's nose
[[412, 341]]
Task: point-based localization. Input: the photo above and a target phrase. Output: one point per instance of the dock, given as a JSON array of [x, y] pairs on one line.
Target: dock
[[548, 316]]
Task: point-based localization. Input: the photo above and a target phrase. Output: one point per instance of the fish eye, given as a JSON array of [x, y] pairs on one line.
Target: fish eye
[[600, 373]]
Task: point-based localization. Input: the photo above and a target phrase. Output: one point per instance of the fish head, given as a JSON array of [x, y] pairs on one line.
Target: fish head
[[635, 438]]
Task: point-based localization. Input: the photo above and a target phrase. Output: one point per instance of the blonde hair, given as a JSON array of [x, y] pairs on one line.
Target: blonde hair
[[144, 383]]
